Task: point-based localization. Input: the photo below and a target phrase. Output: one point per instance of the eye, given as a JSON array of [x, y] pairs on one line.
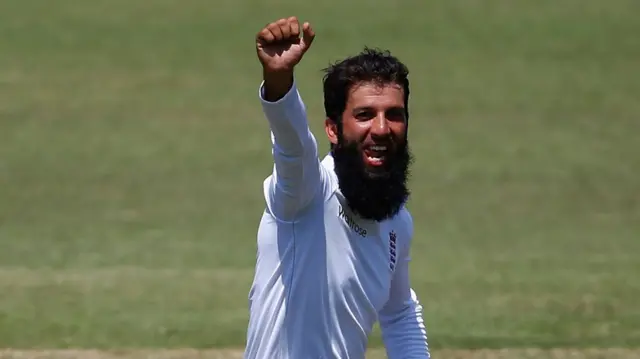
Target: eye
[[396, 114], [364, 115]]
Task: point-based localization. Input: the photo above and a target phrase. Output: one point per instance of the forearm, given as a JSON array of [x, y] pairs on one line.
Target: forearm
[[404, 333], [287, 117], [296, 176]]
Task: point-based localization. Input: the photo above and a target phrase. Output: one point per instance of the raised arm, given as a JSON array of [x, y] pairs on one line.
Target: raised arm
[[297, 177]]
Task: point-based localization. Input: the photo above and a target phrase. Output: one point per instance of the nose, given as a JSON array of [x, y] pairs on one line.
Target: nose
[[380, 126]]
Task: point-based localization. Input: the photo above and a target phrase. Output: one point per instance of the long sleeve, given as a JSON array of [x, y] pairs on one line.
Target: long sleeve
[[297, 174], [403, 330]]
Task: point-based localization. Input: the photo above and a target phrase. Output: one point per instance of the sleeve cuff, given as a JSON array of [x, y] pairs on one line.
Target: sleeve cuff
[[286, 98]]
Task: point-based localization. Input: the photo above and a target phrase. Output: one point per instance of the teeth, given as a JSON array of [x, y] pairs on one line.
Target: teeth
[[379, 148]]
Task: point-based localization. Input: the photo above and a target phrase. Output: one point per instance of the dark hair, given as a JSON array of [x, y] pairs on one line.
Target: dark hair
[[370, 65]]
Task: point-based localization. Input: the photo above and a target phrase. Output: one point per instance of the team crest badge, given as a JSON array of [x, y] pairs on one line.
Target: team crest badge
[[392, 250]]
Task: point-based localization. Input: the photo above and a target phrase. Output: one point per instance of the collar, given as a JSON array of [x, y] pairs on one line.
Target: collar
[[328, 162]]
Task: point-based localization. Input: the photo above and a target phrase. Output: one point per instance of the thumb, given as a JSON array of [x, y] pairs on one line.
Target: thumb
[[307, 36]]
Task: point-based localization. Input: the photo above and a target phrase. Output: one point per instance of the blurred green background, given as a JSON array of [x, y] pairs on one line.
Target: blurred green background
[[133, 149]]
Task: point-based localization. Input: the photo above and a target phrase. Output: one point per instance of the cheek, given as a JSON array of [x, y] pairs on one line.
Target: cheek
[[399, 131], [355, 131]]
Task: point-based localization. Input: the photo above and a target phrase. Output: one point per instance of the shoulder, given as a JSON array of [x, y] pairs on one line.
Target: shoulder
[[405, 223], [327, 171], [277, 200]]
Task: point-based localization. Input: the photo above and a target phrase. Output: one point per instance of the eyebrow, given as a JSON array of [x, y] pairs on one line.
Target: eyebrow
[[366, 108]]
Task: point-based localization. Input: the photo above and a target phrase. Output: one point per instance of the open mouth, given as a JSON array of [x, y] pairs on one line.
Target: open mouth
[[376, 155]]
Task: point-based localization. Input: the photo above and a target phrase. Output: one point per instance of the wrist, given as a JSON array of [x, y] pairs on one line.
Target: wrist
[[276, 84]]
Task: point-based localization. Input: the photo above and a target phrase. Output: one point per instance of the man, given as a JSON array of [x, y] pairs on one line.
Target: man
[[334, 239]]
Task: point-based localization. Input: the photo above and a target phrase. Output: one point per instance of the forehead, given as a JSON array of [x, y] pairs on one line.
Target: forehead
[[370, 94]]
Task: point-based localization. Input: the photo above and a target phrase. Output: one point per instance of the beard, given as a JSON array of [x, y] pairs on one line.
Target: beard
[[374, 195]]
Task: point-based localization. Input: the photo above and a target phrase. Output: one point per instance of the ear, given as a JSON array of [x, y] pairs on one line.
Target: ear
[[331, 128]]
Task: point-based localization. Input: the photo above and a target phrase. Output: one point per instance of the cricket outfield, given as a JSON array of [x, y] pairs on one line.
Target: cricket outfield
[[132, 153]]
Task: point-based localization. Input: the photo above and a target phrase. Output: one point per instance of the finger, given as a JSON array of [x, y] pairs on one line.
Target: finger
[[265, 36], [285, 28], [295, 26], [307, 36], [275, 30]]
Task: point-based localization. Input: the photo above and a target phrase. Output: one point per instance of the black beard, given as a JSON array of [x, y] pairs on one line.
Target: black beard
[[373, 195]]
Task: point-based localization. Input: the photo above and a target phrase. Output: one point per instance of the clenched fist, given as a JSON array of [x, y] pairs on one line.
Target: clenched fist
[[280, 48], [279, 45]]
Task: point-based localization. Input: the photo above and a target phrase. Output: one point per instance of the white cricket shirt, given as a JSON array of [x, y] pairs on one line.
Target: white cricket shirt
[[323, 275]]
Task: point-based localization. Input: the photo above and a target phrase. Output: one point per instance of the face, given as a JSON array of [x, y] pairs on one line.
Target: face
[[371, 153], [374, 120]]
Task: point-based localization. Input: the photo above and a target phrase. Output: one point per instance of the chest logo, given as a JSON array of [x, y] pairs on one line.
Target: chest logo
[[351, 223], [392, 250]]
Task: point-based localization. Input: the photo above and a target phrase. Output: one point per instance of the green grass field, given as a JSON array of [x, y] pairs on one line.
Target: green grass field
[[132, 152]]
